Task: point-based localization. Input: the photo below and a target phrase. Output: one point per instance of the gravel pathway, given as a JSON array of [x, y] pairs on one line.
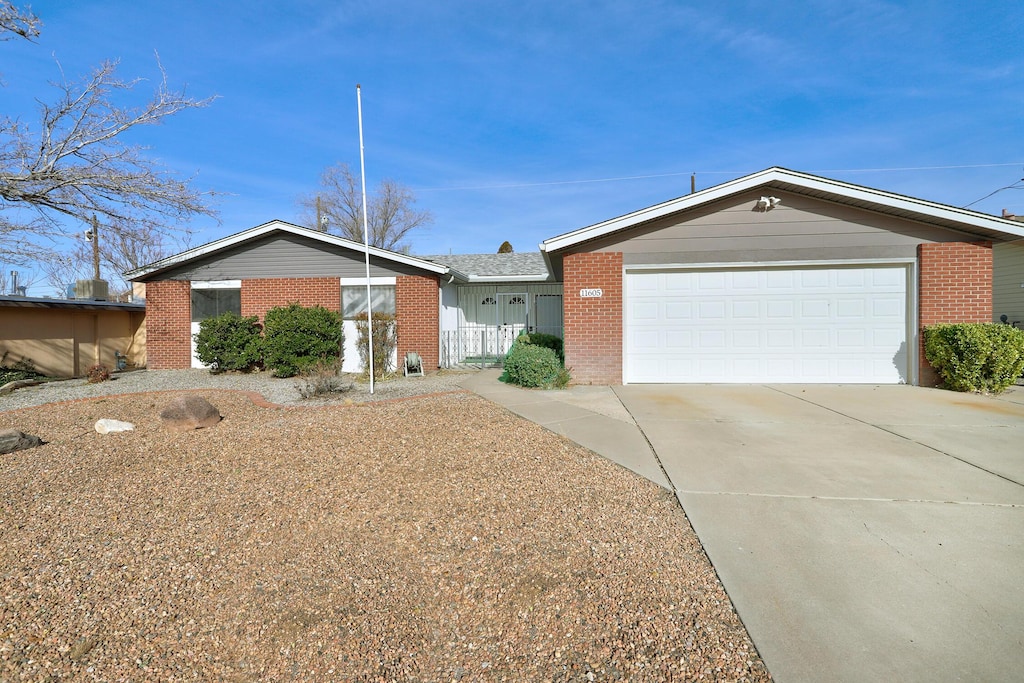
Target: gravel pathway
[[435, 539]]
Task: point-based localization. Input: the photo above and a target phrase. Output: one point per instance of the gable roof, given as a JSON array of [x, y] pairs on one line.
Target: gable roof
[[280, 226], [513, 267], [983, 225]]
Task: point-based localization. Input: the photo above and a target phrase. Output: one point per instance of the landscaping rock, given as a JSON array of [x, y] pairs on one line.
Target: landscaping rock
[[108, 426], [189, 412], [13, 440], [18, 384]]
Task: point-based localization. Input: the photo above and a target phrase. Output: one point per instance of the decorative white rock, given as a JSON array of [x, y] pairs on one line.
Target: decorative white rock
[[107, 426]]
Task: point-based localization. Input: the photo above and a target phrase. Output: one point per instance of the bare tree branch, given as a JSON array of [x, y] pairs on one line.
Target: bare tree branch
[[391, 215], [120, 251], [21, 23], [77, 164]]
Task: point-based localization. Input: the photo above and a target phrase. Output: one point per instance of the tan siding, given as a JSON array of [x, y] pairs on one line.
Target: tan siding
[[64, 342], [799, 228], [1008, 281]]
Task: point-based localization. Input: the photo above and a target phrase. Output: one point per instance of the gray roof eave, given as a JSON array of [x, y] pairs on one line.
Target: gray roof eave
[[281, 226], [880, 201]]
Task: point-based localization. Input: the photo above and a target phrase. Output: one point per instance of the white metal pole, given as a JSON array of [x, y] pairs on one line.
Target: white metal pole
[[366, 233]]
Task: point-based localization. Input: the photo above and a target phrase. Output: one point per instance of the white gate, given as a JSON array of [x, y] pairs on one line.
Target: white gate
[[512, 318]]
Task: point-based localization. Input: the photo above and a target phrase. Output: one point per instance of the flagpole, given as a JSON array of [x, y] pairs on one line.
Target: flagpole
[[366, 234]]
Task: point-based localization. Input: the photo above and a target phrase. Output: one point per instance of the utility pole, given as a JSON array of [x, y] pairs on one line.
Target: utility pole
[[321, 219], [93, 236]]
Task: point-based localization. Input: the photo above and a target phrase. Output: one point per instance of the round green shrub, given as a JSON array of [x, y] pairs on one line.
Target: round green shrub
[[295, 338], [982, 357], [533, 366], [229, 342], [548, 341]]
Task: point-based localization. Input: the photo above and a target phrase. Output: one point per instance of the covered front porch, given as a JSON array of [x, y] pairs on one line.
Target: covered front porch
[[479, 322]]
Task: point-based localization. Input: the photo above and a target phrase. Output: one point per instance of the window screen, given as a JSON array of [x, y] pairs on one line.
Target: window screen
[[209, 303], [353, 300]]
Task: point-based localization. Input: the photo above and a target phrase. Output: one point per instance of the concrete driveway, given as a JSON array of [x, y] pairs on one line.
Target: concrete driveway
[[864, 533]]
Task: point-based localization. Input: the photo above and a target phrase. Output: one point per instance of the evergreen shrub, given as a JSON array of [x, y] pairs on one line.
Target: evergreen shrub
[[295, 338], [229, 342], [980, 357]]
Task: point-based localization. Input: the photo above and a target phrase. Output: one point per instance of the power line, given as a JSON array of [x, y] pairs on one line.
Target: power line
[[1012, 186], [508, 186]]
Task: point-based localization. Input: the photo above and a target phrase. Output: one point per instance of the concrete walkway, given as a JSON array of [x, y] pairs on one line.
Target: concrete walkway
[[863, 533]]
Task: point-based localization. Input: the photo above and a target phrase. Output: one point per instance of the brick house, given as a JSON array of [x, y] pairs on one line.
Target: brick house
[[445, 315], [777, 277], [276, 264]]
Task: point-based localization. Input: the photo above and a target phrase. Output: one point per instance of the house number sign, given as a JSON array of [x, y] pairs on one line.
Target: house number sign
[[590, 293]]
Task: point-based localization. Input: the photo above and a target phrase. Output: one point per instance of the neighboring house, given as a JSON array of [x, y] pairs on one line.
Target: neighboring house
[[819, 281], [63, 337], [1008, 277], [778, 276]]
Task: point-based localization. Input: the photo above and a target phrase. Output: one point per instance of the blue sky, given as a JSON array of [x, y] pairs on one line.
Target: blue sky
[[498, 113]]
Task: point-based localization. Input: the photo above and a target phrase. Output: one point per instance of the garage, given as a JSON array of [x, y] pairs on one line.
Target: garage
[[776, 277], [806, 324]]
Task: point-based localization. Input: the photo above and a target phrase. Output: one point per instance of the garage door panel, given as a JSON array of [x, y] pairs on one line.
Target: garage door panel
[[769, 325], [709, 282], [678, 339], [678, 310], [746, 309], [888, 307], [814, 308], [644, 311], [776, 310]]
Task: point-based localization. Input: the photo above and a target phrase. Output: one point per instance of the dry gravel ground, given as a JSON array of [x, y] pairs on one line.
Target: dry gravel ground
[[433, 539]]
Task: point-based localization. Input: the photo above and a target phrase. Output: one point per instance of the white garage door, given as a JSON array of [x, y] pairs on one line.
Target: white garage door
[[806, 325]]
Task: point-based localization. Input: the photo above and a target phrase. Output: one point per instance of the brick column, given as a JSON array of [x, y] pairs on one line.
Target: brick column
[[955, 286], [262, 294], [593, 325], [418, 311], [168, 325]]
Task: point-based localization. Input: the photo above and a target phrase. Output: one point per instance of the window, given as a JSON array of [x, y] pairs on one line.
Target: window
[[353, 300], [488, 301], [209, 303], [517, 301]]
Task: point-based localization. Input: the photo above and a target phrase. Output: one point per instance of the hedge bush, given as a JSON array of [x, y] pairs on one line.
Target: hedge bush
[[385, 341], [295, 338], [529, 365], [229, 342], [983, 357], [548, 341]]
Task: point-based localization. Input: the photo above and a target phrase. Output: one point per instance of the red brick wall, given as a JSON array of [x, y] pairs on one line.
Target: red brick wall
[[168, 325], [593, 325], [417, 307], [260, 295], [955, 286]]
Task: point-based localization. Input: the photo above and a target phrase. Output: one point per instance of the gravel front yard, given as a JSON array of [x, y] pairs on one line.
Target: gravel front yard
[[432, 539]]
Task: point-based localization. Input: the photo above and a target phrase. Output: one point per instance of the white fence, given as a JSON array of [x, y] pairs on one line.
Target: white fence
[[475, 347]]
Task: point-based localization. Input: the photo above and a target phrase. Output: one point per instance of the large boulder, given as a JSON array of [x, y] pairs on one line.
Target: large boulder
[[189, 412], [13, 440]]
